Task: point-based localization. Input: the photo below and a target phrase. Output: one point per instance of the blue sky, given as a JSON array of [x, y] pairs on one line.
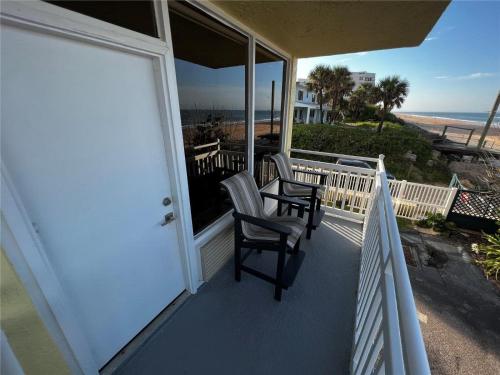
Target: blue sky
[[224, 89], [456, 69]]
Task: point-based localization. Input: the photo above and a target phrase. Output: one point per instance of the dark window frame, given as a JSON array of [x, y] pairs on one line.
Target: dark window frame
[[283, 105], [132, 17], [204, 218]]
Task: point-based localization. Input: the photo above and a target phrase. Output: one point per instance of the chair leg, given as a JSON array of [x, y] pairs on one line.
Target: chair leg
[[278, 289], [280, 192], [289, 209], [310, 218], [296, 247], [237, 262], [318, 204]]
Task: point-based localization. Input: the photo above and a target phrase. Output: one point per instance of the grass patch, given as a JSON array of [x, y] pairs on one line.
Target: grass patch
[[404, 223], [361, 139]]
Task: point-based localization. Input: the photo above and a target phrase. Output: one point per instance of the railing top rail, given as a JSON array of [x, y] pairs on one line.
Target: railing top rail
[[409, 183], [415, 354], [332, 155], [337, 167], [199, 147]]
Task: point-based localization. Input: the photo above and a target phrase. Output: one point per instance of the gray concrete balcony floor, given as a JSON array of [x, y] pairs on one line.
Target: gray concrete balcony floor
[[238, 328]]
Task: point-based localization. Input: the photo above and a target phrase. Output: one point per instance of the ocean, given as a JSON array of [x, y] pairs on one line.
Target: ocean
[[476, 117], [204, 116]]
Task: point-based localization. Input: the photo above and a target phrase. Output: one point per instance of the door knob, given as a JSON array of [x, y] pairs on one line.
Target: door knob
[[168, 219]]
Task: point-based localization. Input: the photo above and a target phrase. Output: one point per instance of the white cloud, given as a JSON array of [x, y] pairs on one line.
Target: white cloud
[[477, 75], [431, 38], [361, 53]]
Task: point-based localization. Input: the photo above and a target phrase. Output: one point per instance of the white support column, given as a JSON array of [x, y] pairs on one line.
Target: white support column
[[250, 105], [307, 115], [291, 79]]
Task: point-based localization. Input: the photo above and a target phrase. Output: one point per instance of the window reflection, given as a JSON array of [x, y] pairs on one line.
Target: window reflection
[[210, 62], [269, 87]]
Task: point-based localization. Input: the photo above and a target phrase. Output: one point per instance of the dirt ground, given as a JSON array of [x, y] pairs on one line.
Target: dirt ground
[[235, 131], [459, 309]]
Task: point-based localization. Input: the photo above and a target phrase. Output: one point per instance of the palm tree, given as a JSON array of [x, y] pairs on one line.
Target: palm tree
[[359, 99], [341, 85], [318, 81], [391, 92]]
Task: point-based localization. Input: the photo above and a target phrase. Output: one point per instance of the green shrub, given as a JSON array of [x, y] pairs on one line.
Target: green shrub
[[361, 139], [435, 221], [404, 223], [490, 255], [369, 113]]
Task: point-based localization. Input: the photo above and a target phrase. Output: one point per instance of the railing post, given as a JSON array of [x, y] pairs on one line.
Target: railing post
[[470, 136], [380, 163], [449, 201], [397, 199]]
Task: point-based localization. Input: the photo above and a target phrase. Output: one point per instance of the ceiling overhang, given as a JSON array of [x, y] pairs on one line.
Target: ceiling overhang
[[319, 28]]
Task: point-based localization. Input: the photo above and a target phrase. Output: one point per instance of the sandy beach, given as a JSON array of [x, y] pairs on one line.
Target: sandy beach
[[436, 125]]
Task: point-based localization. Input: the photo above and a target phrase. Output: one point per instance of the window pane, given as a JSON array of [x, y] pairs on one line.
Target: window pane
[[210, 63], [269, 85], [134, 15]]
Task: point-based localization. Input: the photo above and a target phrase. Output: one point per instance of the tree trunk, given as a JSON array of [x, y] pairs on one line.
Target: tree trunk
[[381, 123], [321, 111]]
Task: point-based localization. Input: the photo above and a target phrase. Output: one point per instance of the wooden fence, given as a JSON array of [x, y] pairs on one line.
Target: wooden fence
[[413, 201]]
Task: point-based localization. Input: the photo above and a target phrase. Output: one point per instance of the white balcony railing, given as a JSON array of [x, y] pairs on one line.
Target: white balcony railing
[[387, 336], [347, 189]]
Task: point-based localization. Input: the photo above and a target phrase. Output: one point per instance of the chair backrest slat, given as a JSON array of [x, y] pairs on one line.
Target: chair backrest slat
[[284, 166], [285, 170], [244, 194]]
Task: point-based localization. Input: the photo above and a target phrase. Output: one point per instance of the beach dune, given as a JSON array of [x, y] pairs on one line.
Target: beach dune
[[458, 133]]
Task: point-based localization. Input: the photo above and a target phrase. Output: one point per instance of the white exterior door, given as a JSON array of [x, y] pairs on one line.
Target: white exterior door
[[82, 141]]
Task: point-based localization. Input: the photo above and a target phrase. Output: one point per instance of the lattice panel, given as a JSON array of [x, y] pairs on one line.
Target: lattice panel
[[476, 204]]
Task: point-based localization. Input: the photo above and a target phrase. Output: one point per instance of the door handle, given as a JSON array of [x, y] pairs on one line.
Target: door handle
[[168, 219]]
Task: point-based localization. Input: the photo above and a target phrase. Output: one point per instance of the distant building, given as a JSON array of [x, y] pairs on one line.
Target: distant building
[[306, 109], [362, 77]]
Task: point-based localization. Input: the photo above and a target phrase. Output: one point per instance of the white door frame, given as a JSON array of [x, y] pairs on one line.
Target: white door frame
[[29, 257]]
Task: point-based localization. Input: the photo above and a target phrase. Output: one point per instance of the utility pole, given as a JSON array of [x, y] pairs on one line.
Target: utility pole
[[489, 122], [272, 107]]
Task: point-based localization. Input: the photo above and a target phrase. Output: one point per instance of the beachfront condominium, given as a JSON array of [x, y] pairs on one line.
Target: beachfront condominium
[[360, 78], [307, 109]]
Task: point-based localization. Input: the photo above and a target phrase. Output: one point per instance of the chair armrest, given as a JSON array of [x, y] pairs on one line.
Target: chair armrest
[[285, 199], [266, 224], [305, 184]]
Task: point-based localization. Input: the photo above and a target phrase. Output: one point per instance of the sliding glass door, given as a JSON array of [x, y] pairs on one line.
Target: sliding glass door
[[211, 62]]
